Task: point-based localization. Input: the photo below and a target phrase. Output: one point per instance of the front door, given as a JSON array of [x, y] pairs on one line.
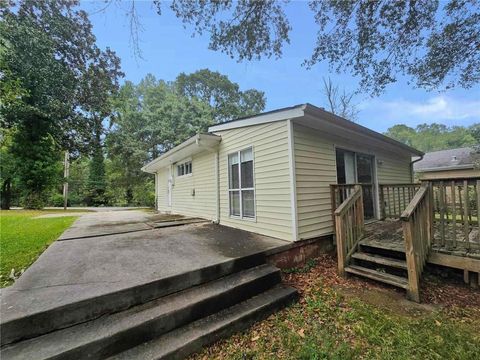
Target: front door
[[169, 187], [357, 168]]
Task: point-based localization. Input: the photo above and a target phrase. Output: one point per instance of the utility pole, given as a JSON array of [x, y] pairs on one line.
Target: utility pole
[[66, 168]]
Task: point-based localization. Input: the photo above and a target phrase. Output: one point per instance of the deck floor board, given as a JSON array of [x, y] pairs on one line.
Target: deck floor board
[[388, 235]]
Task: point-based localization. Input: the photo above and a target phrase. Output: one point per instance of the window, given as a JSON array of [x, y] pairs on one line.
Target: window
[[241, 189], [184, 168]]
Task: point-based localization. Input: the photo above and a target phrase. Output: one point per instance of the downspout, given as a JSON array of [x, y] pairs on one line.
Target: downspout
[[217, 185], [411, 166]]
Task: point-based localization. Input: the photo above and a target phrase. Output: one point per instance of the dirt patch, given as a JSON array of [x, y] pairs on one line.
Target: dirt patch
[[448, 292], [436, 292]]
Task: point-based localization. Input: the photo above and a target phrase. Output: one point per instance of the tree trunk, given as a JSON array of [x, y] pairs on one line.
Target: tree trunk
[[6, 194]]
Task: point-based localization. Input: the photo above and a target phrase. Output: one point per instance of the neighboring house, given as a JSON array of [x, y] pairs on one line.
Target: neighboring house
[[447, 164], [271, 173]]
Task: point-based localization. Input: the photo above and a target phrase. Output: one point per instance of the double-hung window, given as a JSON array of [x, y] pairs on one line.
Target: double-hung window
[[241, 189]]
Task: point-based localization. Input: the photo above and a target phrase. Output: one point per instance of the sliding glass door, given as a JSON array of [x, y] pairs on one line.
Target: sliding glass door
[[357, 168]]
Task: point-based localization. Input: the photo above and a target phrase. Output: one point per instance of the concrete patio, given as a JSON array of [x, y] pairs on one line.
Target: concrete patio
[[105, 258]]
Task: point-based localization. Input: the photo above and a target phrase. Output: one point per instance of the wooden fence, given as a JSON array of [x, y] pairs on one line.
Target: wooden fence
[[349, 226]]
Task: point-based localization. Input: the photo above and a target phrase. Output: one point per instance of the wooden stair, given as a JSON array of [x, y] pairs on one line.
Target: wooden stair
[[386, 278], [381, 262]]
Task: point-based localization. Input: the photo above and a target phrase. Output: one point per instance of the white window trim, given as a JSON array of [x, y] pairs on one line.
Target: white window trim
[[240, 189], [183, 162]]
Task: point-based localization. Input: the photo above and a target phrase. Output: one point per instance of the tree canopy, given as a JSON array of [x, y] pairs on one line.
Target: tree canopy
[[432, 137], [58, 84], [224, 96], [434, 43]]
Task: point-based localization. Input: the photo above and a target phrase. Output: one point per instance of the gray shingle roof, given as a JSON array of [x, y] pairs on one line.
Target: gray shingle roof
[[445, 159]]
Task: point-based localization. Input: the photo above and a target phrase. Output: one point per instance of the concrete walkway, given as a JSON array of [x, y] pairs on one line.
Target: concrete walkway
[[105, 252]]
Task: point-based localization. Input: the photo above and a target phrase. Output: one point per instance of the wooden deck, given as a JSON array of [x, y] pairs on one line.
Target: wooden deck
[[432, 222], [388, 235]]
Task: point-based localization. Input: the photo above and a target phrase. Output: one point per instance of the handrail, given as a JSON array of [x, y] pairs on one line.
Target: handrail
[[348, 201], [349, 227], [417, 223], [413, 205]]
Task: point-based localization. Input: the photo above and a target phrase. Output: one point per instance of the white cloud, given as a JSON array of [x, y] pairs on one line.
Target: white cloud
[[441, 109]]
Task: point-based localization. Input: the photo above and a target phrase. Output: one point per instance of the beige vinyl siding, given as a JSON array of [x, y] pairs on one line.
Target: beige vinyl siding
[[394, 170], [202, 181], [271, 178], [315, 170], [162, 190]]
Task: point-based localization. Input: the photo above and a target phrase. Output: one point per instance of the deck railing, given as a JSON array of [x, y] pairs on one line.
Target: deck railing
[[456, 213], [418, 233], [339, 192], [349, 226], [394, 198]]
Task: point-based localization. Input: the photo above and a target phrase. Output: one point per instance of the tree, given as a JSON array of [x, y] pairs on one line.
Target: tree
[[435, 44], [151, 119], [432, 137], [7, 169], [339, 102], [225, 97], [475, 130], [56, 97]]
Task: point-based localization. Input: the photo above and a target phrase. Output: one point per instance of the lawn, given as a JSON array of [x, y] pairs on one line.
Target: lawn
[[23, 238], [353, 319]]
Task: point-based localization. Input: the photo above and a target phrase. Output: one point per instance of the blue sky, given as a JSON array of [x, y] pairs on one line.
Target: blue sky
[[168, 49]]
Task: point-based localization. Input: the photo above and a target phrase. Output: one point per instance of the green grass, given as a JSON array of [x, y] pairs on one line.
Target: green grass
[[23, 238], [327, 324], [458, 218]]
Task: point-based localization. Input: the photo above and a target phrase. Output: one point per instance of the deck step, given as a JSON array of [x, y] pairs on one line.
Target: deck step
[[390, 279], [382, 245], [112, 334], [184, 341], [381, 260]]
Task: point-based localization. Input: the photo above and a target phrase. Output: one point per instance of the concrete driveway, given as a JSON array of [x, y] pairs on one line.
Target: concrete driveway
[[106, 252]]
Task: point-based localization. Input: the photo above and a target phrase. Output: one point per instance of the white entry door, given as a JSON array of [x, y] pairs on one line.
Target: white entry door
[[169, 187]]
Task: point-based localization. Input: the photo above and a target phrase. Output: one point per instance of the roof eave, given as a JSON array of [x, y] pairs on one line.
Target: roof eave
[[340, 121], [152, 167], [444, 168]]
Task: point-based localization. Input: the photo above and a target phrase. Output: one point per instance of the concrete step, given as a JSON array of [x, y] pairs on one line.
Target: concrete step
[[386, 278], [17, 326], [381, 260], [114, 333], [181, 342]]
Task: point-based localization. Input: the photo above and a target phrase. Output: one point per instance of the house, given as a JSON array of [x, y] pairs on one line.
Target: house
[[271, 173], [447, 164]]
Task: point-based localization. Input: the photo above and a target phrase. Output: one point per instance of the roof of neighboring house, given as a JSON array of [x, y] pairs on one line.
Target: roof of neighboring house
[[301, 110], [452, 159]]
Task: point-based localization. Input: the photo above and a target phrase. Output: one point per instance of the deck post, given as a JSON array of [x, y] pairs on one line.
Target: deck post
[[382, 203], [430, 216], [340, 234], [413, 292]]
